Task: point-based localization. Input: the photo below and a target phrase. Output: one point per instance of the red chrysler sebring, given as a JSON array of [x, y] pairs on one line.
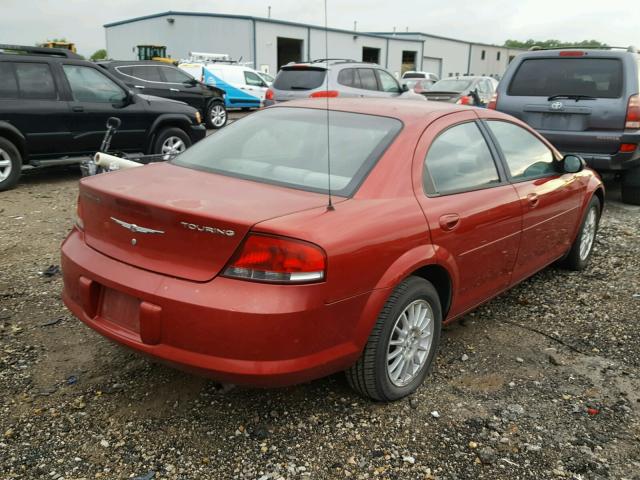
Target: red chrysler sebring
[[231, 261]]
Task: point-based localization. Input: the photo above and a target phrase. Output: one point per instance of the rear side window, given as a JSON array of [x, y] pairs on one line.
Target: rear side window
[[8, 82], [459, 159], [299, 79], [35, 81], [287, 146], [526, 156], [545, 77]]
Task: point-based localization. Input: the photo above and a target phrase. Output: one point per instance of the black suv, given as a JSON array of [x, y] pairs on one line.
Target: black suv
[[584, 101], [54, 107], [167, 81]]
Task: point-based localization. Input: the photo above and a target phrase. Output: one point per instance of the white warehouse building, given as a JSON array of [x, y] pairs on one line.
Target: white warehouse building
[[266, 44]]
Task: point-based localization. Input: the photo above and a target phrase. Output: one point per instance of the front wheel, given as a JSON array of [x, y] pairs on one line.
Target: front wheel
[[170, 142], [402, 344], [582, 247], [10, 164], [216, 115]]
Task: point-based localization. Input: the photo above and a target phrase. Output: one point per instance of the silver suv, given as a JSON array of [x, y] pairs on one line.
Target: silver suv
[[346, 78], [585, 102]]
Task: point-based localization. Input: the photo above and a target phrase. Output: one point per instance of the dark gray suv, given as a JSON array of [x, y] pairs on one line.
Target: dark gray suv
[[585, 102]]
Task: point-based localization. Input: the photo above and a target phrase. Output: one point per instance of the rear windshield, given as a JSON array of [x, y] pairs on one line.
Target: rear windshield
[[545, 77], [299, 79], [288, 146], [451, 85], [413, 75]]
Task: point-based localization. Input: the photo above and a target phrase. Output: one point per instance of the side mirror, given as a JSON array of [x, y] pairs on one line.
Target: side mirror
[[404, 87], [572, 164]]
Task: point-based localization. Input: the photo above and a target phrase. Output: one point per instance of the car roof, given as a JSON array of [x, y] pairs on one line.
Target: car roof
[[119, 63], [588, 52]]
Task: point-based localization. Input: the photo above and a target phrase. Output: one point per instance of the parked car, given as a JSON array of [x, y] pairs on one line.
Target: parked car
[[583, 101], [244, 260], [419, 85], [166, 81], [347, 78], [463, 90], [413, 75], [54, 107], [243, 86]]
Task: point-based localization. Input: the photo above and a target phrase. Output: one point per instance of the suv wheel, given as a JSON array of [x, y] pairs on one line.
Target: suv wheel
[[402, 344], [631, 186], [170, 142], [10, 164], [216, 115]]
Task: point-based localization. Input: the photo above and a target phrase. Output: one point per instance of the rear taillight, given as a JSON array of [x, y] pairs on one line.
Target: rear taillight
[[324, 94], [79, 222], [493, 103], [628, 147], [269, 94], [572, 53], [633, 113], [465, 100], [265, 258]]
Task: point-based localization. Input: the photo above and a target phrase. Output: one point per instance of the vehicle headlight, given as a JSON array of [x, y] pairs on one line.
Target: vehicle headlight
[[198, 117]]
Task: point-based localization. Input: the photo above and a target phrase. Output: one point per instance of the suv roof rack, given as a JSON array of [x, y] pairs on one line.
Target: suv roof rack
[[630, 48], [335, 60], [26, 50]]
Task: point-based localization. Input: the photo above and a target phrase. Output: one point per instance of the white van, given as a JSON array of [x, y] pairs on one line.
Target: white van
[[243, 86]]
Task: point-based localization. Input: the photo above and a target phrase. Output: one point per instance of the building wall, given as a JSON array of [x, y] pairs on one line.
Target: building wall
[[454, 55], [185, 34]]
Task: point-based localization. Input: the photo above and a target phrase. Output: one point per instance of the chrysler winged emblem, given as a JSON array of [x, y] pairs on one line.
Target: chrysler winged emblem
[[132, 227], [557, 106]]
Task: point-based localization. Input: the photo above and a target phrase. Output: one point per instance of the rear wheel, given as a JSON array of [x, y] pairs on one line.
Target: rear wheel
[[402, 344], [216, 115], [10, 164], [582, 247], [171, 141], [631, 186]]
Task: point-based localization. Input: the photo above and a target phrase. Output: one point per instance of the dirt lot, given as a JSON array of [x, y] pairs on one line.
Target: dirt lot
[[541, 383]]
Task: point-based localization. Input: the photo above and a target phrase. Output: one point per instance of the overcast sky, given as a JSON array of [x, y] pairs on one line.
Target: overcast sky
[[488, 21]]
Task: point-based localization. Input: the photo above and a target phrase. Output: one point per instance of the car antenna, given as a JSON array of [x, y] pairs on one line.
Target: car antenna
[[326, 48]]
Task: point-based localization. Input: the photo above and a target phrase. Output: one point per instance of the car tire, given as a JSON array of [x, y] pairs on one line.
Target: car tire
[[582, 247], [10, 164], [216, 115], [371, 376], [631, 186], [171, 141]]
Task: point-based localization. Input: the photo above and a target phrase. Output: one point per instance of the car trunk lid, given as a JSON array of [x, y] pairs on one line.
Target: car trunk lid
[[178, 221], [442, 96]]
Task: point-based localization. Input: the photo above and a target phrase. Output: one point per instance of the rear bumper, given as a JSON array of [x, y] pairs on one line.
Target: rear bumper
[[197, 133], [229, 330], [601, 162]]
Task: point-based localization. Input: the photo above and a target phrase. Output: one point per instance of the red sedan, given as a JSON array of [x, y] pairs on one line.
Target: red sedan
[[230, 261]]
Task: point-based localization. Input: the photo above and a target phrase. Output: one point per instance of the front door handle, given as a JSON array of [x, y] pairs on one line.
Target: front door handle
[[533, 200], [77, 108], [450, 221]]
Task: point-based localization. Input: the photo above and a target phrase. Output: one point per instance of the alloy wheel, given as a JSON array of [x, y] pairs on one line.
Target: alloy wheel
[[588, 233], [5, 165], [172, 146], [218, 116], [410, 343]]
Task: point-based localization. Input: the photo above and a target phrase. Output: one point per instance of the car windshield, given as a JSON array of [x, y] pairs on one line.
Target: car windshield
[[288, 146], [299, 79], [451, 85], [546, 77]]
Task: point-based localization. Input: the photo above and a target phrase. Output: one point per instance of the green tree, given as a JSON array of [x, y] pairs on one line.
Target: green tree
[[99, 54], [552, 43]]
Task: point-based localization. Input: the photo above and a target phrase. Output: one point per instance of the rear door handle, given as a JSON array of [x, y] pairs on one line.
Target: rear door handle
[[77, 108], [450, 221], [174, 89], [533, 200]]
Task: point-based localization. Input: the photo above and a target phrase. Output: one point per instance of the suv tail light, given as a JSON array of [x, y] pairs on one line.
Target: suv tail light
[[628, 147], [633, 113], [465, 100], [265, 258], [324, 94], [493, 103], [269, 94]]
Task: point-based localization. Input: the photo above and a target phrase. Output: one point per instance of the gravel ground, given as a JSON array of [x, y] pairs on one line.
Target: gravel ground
[[542, 382]]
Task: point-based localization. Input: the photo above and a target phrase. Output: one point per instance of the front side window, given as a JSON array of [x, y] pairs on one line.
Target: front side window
[[173, 75], [287, 146], [148, 73], [252, 79], [8, 82], [387, 82], [459, 159], [35, 81], [89, 85], [368, 79], [526, 156]]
